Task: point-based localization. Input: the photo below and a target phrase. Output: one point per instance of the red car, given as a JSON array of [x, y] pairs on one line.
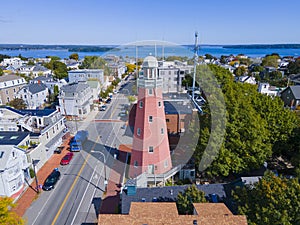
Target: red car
[[66, 159]]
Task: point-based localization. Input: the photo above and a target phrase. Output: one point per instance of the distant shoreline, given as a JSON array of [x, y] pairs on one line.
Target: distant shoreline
[[105, 48]]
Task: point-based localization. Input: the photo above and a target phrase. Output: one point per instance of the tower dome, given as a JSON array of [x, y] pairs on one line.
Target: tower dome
[[150, 62]]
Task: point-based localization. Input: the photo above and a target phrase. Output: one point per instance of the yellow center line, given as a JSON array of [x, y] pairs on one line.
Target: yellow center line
[[73, 185]]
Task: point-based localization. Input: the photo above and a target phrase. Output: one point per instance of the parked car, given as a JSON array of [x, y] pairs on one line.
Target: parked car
[[103, 108], [66, 159], [51, 180], [58, 150], [108, 101]]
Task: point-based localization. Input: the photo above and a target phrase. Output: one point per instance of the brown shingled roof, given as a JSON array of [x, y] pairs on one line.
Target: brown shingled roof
[[163, 213]]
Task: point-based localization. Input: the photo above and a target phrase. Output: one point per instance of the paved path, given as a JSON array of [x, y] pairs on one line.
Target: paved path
[[111, 200], [30, 194]]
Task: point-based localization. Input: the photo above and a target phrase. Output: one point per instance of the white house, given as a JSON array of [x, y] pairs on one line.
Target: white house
[[266, 89], [46, 129], [246, 79], [14, 167], [95, 88], [9, 86], [86, 74], [14, 61], [34, 95], [75, 99]]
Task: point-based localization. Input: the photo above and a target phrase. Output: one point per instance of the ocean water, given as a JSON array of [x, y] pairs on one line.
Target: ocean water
[[142, 51]]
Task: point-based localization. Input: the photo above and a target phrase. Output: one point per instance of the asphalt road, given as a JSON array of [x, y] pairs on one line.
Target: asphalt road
[[76, 197]]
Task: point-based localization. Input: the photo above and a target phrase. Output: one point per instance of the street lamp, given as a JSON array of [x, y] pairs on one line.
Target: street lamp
[[34, 163], [104, 162]]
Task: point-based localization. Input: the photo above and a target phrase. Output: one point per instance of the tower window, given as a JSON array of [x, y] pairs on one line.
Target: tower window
[[150, 91], [162, 130], [136, 163], [138, 131], [150, 149], [150, 119], [166, 163], [167, 120], [141, 104], [159, 104]]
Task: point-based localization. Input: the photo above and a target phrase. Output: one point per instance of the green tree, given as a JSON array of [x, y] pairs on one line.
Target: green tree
[[209, 56], [74, 56], [186, 199], [294, 67], [270, 60], [3, 57], [254, 123], [17, 103], [95, 62], [240, 71], [59, 69], [273, 200], [30, 63], [7, 216], [258, 68], [54, 58], [1, 72]]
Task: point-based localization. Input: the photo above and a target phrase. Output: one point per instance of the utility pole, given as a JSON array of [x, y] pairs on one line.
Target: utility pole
[[195, 63], [34, 163]]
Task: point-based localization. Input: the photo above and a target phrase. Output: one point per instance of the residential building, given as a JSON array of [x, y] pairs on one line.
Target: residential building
[[46, 129], [14, 61], [246, 79], [75, 99], [49, 82], [95, 88], [159, 213], [133, 193], [118, 69], [266, 89], [9, 86], [34, 95], [173, 74], [14, 168], [86, 74], [291, 96]]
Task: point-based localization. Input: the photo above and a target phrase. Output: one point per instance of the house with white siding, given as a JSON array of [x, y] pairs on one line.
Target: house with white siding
[[14, 167], [9, 87], [75, 100], [34, 95]]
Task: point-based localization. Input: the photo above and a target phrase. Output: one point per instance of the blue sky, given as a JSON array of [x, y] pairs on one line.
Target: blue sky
[[121, 22]]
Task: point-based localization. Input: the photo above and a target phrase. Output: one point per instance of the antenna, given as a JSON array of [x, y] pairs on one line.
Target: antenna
[[195, 62]]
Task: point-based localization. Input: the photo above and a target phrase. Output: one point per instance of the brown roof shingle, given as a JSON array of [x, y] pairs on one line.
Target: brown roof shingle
[[164, 213]]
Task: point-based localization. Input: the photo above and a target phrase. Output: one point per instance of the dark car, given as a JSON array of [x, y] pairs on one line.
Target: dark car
[[51, 180], [103, 108], [58, 150], [66, 159], [108, 100]]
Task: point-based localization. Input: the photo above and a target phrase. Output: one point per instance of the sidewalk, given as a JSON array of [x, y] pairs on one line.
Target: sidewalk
[[111, 199], [29, 195]]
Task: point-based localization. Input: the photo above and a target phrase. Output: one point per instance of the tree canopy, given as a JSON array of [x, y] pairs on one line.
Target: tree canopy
[[270, 60], [59, 69], [95, 62], [74, 56], [1, 72], [254, 123], [8, 217], [186, 199], [273, 200], [17, 103], [294, 67]]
